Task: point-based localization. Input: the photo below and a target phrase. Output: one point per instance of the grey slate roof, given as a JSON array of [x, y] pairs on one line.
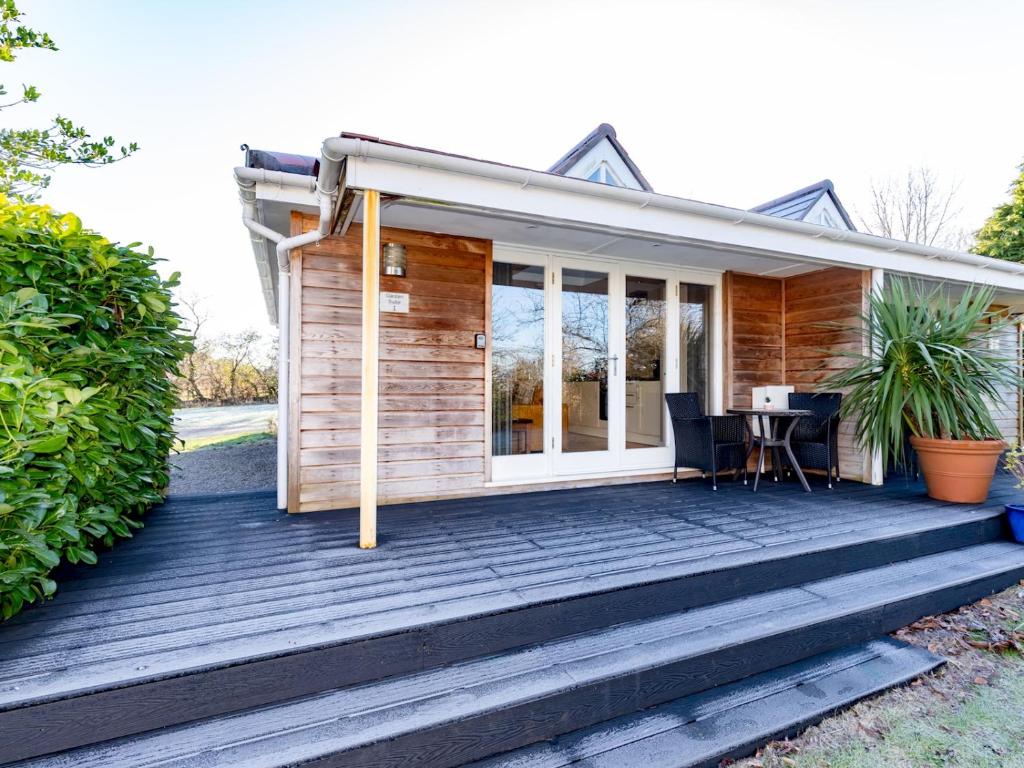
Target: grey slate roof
[[287, 162], [796, 205], [603, 131]]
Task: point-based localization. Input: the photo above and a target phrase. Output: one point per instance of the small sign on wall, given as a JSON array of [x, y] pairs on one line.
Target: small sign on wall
[[394, 302]]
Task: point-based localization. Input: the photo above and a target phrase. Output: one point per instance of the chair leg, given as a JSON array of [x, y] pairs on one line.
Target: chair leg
[[829, 462], [675, 474]]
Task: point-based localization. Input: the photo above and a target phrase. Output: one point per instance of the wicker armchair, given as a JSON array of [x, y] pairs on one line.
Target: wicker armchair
[[815, 439], [708, 443]]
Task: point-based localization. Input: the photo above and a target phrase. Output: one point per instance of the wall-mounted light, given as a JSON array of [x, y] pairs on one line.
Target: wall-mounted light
[[394, 260]]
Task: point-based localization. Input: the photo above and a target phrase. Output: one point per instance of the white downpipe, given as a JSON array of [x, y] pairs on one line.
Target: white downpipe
[[343, 147], [326, 187], [283, 367]]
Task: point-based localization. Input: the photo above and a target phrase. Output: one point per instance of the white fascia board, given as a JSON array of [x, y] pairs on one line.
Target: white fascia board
[[281, 194], [649, 217]]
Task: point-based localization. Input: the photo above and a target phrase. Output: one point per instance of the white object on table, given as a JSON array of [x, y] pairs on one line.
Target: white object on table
[[771, 398]]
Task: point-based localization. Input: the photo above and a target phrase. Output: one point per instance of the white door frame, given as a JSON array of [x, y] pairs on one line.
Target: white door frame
[[527, 466], [617, 460]]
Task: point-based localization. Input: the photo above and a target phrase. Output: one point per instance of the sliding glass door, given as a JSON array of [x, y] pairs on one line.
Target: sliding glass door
[[582, 354]]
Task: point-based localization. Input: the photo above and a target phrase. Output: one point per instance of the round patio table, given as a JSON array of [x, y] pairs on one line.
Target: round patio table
[[769, 421]]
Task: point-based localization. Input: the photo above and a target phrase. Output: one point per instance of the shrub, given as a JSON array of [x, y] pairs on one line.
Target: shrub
[[88, 341]]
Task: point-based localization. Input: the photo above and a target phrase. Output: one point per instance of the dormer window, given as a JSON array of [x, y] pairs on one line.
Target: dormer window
[[604, 175], [601, 158]]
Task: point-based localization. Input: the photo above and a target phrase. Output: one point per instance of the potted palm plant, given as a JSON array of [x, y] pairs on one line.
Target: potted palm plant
[[930, 366]]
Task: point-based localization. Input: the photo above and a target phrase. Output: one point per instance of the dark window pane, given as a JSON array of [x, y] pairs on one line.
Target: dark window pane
[[694, 339], [645, 350]]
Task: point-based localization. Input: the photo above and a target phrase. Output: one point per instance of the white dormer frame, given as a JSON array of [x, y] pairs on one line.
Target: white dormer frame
[[604, 174], [604, 158], [826, 213]]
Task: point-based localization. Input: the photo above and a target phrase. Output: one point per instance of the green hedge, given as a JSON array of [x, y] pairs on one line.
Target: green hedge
[[88, 340]]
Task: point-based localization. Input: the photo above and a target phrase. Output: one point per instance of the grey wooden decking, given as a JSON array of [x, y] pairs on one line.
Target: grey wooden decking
[[222, 605], [215, 579]]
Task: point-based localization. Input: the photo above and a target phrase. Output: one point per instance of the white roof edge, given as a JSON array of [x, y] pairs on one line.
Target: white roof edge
[[363, 148], [364, 171]]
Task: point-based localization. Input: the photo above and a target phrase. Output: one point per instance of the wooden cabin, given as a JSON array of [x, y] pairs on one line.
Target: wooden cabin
[[537, 318]]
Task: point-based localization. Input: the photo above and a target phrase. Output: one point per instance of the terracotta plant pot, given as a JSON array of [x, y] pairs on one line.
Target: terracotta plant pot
[[958, 470]]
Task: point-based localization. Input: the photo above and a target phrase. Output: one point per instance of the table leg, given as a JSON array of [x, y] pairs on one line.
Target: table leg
[[792, 458], [752, 441], [760, 463]]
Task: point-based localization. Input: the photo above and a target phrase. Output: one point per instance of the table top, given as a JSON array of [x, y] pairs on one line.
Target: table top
[[790, 412]]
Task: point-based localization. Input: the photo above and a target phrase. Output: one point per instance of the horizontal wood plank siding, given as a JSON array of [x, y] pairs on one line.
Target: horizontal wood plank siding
[[819, 308], [1006, 409], [778, 332], [755, 336], [432, 415]]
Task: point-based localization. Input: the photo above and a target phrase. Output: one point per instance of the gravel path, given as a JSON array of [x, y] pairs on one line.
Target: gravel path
[[230, 469]]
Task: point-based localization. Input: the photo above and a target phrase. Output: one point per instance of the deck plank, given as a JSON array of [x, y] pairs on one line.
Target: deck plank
[[215, 580]]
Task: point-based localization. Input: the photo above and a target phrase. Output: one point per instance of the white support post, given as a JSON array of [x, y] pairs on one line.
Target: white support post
[[370, 386], [875, 465]]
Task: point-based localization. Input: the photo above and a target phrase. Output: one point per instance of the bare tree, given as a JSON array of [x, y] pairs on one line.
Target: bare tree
[[225, 368], [919, 208], [195, 316]]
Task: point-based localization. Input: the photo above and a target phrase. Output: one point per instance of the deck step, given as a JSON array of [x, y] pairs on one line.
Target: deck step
[[70, 686], [455, 714], [731, 721]]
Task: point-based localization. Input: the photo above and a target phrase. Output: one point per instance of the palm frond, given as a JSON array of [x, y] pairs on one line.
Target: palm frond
[[929, 365]]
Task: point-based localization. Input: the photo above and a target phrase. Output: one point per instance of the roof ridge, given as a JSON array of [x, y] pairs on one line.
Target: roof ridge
[[819, 189], [825, 185]]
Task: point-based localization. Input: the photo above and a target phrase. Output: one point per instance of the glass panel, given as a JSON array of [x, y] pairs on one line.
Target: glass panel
[[584, 361], [596, 175], [645, 350], [694, 339], [517, 360]]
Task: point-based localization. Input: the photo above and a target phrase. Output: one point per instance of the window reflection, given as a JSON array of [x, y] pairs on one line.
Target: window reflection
[[584, 361], [517, 359], [645, 350]]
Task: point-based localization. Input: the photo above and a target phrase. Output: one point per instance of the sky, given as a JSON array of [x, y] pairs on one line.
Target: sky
[[732, 102]]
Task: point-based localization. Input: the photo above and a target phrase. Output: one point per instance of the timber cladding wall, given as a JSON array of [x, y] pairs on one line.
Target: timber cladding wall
[[812, 302], [432, 378], [776, 333], [754, 345]]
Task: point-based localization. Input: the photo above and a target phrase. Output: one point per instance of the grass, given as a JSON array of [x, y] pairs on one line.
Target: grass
[[225, 441], [967, 714], [985, 731]]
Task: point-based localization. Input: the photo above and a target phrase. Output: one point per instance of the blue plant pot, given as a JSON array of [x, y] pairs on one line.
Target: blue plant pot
[[1015, 513]]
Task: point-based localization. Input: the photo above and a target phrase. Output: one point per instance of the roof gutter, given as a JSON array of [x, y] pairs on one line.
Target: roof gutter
[[344, 146], [326, 187]]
